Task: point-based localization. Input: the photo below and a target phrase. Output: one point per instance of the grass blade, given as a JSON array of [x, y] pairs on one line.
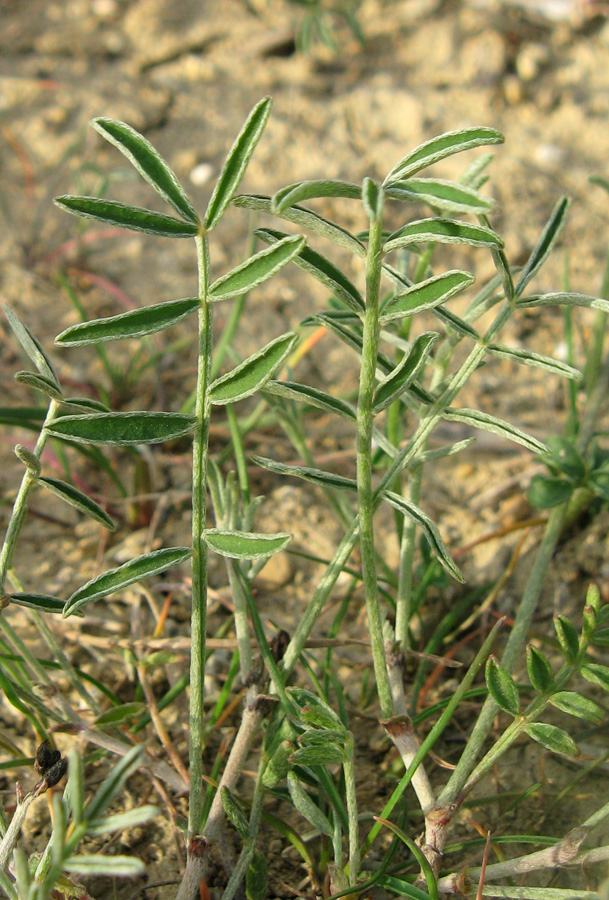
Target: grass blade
[[117, 579], [134, 323], [133, 217], [440, 147], [253, 373], [122, 428], [236, 162], [148, 162]]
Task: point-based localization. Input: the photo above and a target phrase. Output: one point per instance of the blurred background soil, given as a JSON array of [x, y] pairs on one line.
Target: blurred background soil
[[186, 74]]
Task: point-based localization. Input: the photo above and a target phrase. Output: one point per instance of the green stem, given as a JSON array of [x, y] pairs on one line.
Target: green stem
[[20, 505], [513, 647], [349, 771], [199, 549], [405, 570], [434, 734], [365, 421]]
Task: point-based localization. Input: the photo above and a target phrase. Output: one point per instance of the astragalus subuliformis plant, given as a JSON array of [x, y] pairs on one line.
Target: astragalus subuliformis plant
[[408, 383]]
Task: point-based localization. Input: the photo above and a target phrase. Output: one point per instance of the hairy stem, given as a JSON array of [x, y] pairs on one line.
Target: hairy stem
[[199, 549], [364, 464], [20, 505]]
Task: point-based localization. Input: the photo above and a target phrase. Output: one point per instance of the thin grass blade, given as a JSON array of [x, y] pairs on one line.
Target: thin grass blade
[[236, 162], [118, 579], [148, 162], [253, 373], [257, 269], [132, 324], [122, 428], [135, 218], [441, 147]]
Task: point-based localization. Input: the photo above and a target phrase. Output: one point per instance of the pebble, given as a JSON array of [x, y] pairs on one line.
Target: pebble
[[201, 173], [531, 59], [276, 572]]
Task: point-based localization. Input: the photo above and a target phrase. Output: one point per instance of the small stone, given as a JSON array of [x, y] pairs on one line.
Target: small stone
[[512, 90], [201, 173], [104, 9], [276, 572], [531, 60]]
